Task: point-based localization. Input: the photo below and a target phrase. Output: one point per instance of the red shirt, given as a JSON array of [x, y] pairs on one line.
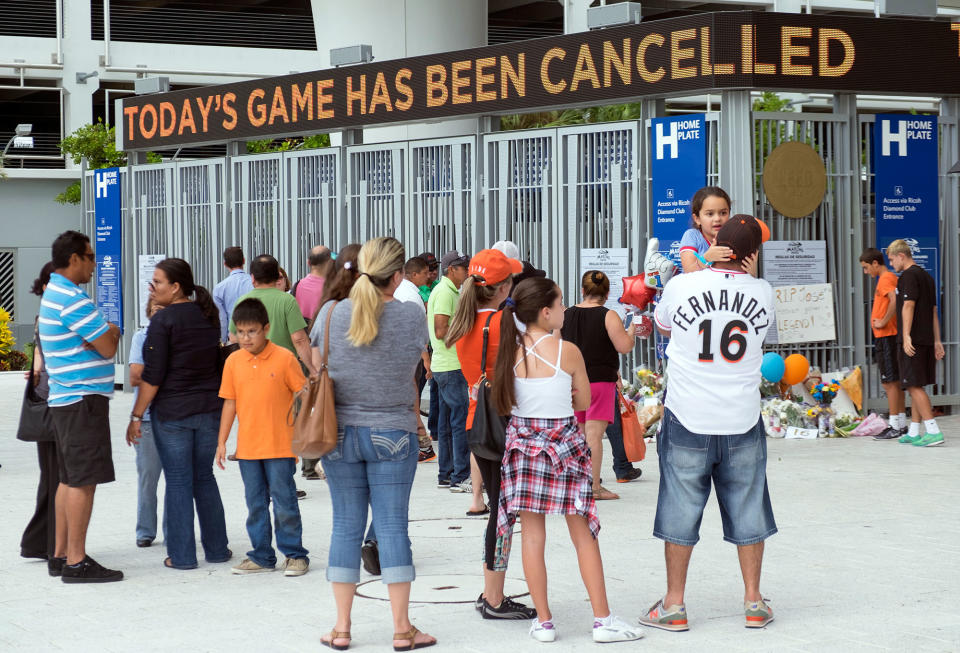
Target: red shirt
[[886, 284], [470, 348]]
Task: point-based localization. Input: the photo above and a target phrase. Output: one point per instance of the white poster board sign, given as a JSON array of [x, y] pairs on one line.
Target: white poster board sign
[[804, 313], [613, 262], [797, 433], [145, 265], [792, 262]]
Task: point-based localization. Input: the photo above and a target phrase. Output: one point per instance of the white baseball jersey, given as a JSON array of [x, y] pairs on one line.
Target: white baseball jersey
[[717, 321]]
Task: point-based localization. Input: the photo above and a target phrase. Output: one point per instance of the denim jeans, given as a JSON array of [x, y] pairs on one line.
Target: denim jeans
[[737, 467], [263, 481], [453, 455], [148, 477], [371, 466], [187, 447], [621, 466]]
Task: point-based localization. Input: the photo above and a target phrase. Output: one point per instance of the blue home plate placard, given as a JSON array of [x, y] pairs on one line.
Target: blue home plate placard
[[109, 244], [906, 186], [678, 170]]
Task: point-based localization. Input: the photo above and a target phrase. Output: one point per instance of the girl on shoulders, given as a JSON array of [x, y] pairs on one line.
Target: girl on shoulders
[[710, 207]]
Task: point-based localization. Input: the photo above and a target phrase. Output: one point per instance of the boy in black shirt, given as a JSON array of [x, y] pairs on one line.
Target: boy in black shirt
[[918, 333]]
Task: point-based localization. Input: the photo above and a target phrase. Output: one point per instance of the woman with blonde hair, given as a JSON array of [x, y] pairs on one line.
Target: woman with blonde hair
[[373, 339]]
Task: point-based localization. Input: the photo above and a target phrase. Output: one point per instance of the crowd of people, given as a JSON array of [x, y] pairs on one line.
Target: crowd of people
[[237, 356]]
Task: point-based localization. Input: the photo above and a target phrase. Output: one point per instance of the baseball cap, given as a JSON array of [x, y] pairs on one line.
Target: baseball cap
[[430, 259], [492, 266], [508, 247], [454, 257], [742, 234]]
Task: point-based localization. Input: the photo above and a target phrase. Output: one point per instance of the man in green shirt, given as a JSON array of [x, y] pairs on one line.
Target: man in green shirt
[[453, 450], [287, 326], [434, 267]]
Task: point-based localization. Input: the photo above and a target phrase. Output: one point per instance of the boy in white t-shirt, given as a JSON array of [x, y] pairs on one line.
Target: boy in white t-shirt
[[717, 319]]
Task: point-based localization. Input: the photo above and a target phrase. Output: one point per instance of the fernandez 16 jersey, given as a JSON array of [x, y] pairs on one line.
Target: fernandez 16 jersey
[[717, 321]]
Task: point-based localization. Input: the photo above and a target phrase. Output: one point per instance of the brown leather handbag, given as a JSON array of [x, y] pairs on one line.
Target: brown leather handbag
[[313, 409]]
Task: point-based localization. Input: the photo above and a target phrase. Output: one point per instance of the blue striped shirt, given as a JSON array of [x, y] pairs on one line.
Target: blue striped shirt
[[68, 320]]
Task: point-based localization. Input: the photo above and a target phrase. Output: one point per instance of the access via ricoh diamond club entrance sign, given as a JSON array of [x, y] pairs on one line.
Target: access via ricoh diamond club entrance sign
[[693, 54]]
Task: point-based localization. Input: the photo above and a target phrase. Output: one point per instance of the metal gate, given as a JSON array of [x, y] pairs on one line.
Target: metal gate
[[257, 205], [312, 206], [375, 191], [442, 199]]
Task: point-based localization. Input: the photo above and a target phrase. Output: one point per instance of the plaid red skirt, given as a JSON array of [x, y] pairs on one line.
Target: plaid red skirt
[[546, 469]]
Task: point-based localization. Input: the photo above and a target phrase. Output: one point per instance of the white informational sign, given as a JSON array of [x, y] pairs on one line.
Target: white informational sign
[[797, 433], [613, 262], [804, 313], [792, 262], [145, 266]]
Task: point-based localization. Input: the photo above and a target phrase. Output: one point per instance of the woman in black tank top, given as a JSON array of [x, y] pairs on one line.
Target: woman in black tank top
[[600, 335]]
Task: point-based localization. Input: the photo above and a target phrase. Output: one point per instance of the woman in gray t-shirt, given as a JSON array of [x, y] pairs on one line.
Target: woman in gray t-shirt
[[375, 345]]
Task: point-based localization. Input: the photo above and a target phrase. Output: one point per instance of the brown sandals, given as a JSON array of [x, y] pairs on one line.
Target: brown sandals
[[410, 636], [335, 634]]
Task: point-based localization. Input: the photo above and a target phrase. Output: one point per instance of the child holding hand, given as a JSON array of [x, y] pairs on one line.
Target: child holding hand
[[710, 207]]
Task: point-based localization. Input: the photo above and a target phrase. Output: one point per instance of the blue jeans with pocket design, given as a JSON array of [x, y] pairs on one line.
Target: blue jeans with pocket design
[[372, 467], [737, 467]]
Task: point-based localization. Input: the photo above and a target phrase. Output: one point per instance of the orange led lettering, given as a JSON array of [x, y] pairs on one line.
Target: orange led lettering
[[612, 60], [148, 109], [400, 83], [256, 115], [510, 75], [279, 107], [436, 85], [359, 95], [168, 119], [849, 52], [788, 50], [552, 53], [678, 54], [645, 73], [484, 79], [457, 82], [323, 99], [748, 49], [302, 101], [186, 119], [380, 95]]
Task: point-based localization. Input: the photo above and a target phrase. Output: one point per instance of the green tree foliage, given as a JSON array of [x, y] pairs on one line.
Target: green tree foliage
[[312, 142], [567, 117], [97, 144]]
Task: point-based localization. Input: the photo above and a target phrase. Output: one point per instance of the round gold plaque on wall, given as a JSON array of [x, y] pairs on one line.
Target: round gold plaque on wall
[[794, 179]]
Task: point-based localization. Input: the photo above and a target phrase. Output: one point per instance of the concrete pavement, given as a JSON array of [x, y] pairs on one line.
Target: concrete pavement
[[867, 558]]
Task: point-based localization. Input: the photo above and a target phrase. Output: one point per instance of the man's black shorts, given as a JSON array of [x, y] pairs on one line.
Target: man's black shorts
[[83, 441], [920, 369], [885, 354]]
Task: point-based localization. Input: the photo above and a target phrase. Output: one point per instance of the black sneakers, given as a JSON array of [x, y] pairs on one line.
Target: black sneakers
[[508, 609], [889, 433], [55, 566], [89, 571], [370, 555]]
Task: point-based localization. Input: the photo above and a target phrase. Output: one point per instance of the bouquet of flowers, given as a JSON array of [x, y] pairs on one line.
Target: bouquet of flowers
[[825, 392], [648, 384]]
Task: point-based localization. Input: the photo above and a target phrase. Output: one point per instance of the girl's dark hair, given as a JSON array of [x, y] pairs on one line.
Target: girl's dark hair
[[595, 284], [707, 191], [528, 299], [472, 296], [178, 271], [43, 279]]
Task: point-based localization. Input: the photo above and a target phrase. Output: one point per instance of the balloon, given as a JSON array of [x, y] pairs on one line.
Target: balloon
[[796, 367], [772, 367], [636, 292]]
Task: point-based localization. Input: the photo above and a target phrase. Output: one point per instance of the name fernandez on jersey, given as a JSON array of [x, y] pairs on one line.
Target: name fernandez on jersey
[[723, 299]]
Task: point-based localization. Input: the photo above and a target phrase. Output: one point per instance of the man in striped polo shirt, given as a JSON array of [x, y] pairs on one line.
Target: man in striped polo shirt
[[78, 347]]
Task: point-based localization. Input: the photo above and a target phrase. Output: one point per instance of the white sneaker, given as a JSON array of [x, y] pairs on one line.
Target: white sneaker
[[543, 631], [614, 629], [466, 487]]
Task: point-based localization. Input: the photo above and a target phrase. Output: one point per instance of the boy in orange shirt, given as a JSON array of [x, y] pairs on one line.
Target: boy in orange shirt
[[883, 319], [258, 385]]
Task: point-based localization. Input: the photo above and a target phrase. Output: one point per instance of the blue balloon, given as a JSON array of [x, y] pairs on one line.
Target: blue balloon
[[772, 367]]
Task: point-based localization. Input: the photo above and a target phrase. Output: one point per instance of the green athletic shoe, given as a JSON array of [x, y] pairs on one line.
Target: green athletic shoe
[[758, 613], [906, 438], [929, 440]]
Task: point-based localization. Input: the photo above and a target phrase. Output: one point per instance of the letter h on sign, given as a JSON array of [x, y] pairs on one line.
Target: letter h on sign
[[900, 137], [100, 180], [671, 140]]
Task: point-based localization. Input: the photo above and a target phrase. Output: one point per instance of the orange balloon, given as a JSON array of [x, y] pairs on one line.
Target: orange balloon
[[796, 367]]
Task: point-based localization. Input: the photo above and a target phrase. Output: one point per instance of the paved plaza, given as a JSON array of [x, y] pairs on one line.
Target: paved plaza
[[867, 558]]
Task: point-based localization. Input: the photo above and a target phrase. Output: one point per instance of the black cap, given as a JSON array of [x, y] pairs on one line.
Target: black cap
[[454, 258], [430, 259], [742, 234]]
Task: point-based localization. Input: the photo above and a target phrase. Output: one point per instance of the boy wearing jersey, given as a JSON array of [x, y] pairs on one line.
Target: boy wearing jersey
[[717, 319]]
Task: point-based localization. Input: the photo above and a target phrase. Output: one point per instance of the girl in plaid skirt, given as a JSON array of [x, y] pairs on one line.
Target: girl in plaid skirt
[[540, 380]]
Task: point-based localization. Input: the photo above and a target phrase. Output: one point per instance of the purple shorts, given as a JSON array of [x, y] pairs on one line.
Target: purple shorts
[[601, 403]]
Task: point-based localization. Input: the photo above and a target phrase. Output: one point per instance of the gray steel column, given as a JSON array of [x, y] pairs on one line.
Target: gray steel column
[[234, 149], [851, 225], [736, 150], [481, 230], [949, 254]]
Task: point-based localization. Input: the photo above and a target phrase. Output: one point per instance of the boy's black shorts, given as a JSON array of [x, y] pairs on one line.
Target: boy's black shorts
[[920, 369], [885, 355]]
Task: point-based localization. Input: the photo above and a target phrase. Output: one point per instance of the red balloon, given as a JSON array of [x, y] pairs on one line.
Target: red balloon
[[636, 292]]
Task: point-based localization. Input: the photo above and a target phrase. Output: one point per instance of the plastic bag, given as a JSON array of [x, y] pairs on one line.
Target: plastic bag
[[871, 425]]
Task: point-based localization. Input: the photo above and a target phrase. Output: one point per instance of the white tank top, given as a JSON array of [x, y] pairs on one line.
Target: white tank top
[[548, 397]]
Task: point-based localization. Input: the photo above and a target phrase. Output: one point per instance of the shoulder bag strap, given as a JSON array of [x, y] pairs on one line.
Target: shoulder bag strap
[[326, 335], [486, 339]]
